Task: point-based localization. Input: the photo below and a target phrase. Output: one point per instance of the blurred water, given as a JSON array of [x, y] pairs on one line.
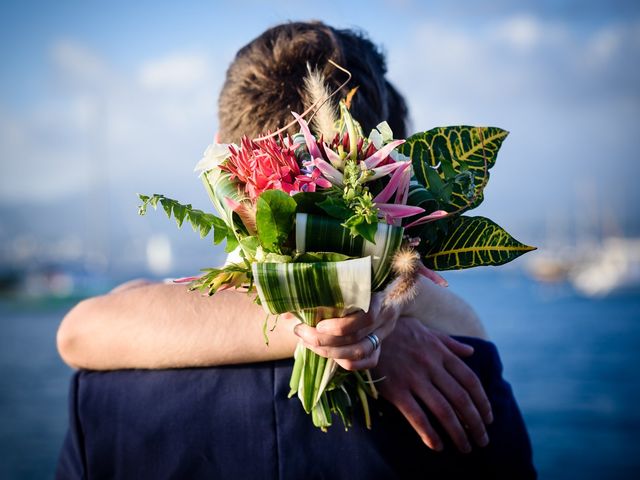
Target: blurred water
[[33, 390], [571, 361]]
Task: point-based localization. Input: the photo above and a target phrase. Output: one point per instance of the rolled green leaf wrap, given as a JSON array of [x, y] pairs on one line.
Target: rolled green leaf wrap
[[314, 291], [316, 233]]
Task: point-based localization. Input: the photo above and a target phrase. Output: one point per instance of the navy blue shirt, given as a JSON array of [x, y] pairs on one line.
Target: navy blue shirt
[[236, 422]]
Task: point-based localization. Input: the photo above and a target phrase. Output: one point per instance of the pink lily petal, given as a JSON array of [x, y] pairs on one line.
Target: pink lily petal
[[398, 211], [308, 137], [330, 173], [433, 276], [185, 279], [402, 193], [429, 218], [381, 154], [385, 170], [333, 157], [323, 182], [393, 184]]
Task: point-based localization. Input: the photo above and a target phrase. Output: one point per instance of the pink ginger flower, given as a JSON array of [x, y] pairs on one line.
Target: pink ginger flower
[[268, 164]]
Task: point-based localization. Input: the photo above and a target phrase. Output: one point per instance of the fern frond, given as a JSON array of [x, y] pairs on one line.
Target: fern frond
[[201, 222]]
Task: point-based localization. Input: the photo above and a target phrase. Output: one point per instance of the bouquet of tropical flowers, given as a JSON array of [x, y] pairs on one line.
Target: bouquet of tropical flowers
[[316, 224]]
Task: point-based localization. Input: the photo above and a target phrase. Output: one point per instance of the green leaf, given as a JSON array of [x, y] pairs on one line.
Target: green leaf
[[274, 218], [274, 257], [454, 151], [336, 208], [250, 245], [472, 242], [312, 257], [232, 242], [367, 230], [307, 202], [201, 222], [219, 230]]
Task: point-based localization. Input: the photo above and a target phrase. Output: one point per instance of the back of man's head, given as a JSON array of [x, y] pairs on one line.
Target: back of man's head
[[265, 82]]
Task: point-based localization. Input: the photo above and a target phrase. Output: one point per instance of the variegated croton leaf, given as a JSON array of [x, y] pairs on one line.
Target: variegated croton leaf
[[453, 163], [472, 242]]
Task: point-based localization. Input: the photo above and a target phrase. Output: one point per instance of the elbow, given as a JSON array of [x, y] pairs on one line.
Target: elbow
[[70, 336]]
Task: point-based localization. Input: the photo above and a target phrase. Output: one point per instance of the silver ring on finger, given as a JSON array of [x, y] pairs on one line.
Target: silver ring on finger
[[375, 341]]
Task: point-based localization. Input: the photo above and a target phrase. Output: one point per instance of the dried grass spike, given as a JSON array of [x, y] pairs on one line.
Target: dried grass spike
[[400, 291], [316, 93], [406, 261], [406, 265]]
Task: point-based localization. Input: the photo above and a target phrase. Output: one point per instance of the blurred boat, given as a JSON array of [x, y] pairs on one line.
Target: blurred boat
[[612, 269], [550, 267]]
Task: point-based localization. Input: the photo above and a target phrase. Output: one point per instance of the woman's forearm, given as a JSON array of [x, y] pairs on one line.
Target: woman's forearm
[[166, 326]]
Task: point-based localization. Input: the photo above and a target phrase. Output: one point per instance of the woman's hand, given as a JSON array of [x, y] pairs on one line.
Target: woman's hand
[[420, 365], [345, 339]]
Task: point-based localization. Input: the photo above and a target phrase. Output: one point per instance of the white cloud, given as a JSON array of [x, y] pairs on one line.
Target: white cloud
[[140, 127], [521, 31], [76, 61], [178, 71]]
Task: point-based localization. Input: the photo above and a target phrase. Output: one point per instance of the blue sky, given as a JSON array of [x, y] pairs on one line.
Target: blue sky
[[121, 96]]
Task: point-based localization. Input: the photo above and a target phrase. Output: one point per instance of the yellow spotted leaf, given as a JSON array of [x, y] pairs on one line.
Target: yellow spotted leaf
[[453, 162], [473, 242]]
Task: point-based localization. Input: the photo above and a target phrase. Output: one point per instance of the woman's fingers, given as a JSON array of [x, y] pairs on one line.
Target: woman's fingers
[[416, 416], [366, 363], [347, 325], [465, 411], [312, 338], [423, 364], [471, 384], [459, 348], [350, 329], [360, 355], [444, 412], [359, 321]]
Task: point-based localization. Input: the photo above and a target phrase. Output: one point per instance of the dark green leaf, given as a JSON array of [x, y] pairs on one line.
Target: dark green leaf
[[274, 218], [367, 230], [307, 202], [336, 208], [219, 229]]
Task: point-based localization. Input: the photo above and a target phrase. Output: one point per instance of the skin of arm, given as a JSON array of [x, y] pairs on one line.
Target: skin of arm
[[166, 326], [153, 325]]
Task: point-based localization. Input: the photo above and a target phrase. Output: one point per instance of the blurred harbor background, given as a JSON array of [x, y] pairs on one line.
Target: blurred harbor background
[[100, 102]]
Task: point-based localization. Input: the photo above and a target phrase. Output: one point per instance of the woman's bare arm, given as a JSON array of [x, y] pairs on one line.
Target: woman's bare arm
[[167, 326], [164, 326]]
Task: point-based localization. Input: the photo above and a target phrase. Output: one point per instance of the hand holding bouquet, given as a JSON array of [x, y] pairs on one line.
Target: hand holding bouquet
[[319, 223]]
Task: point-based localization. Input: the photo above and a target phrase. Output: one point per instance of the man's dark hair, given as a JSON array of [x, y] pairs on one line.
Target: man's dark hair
[[265, 82]]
